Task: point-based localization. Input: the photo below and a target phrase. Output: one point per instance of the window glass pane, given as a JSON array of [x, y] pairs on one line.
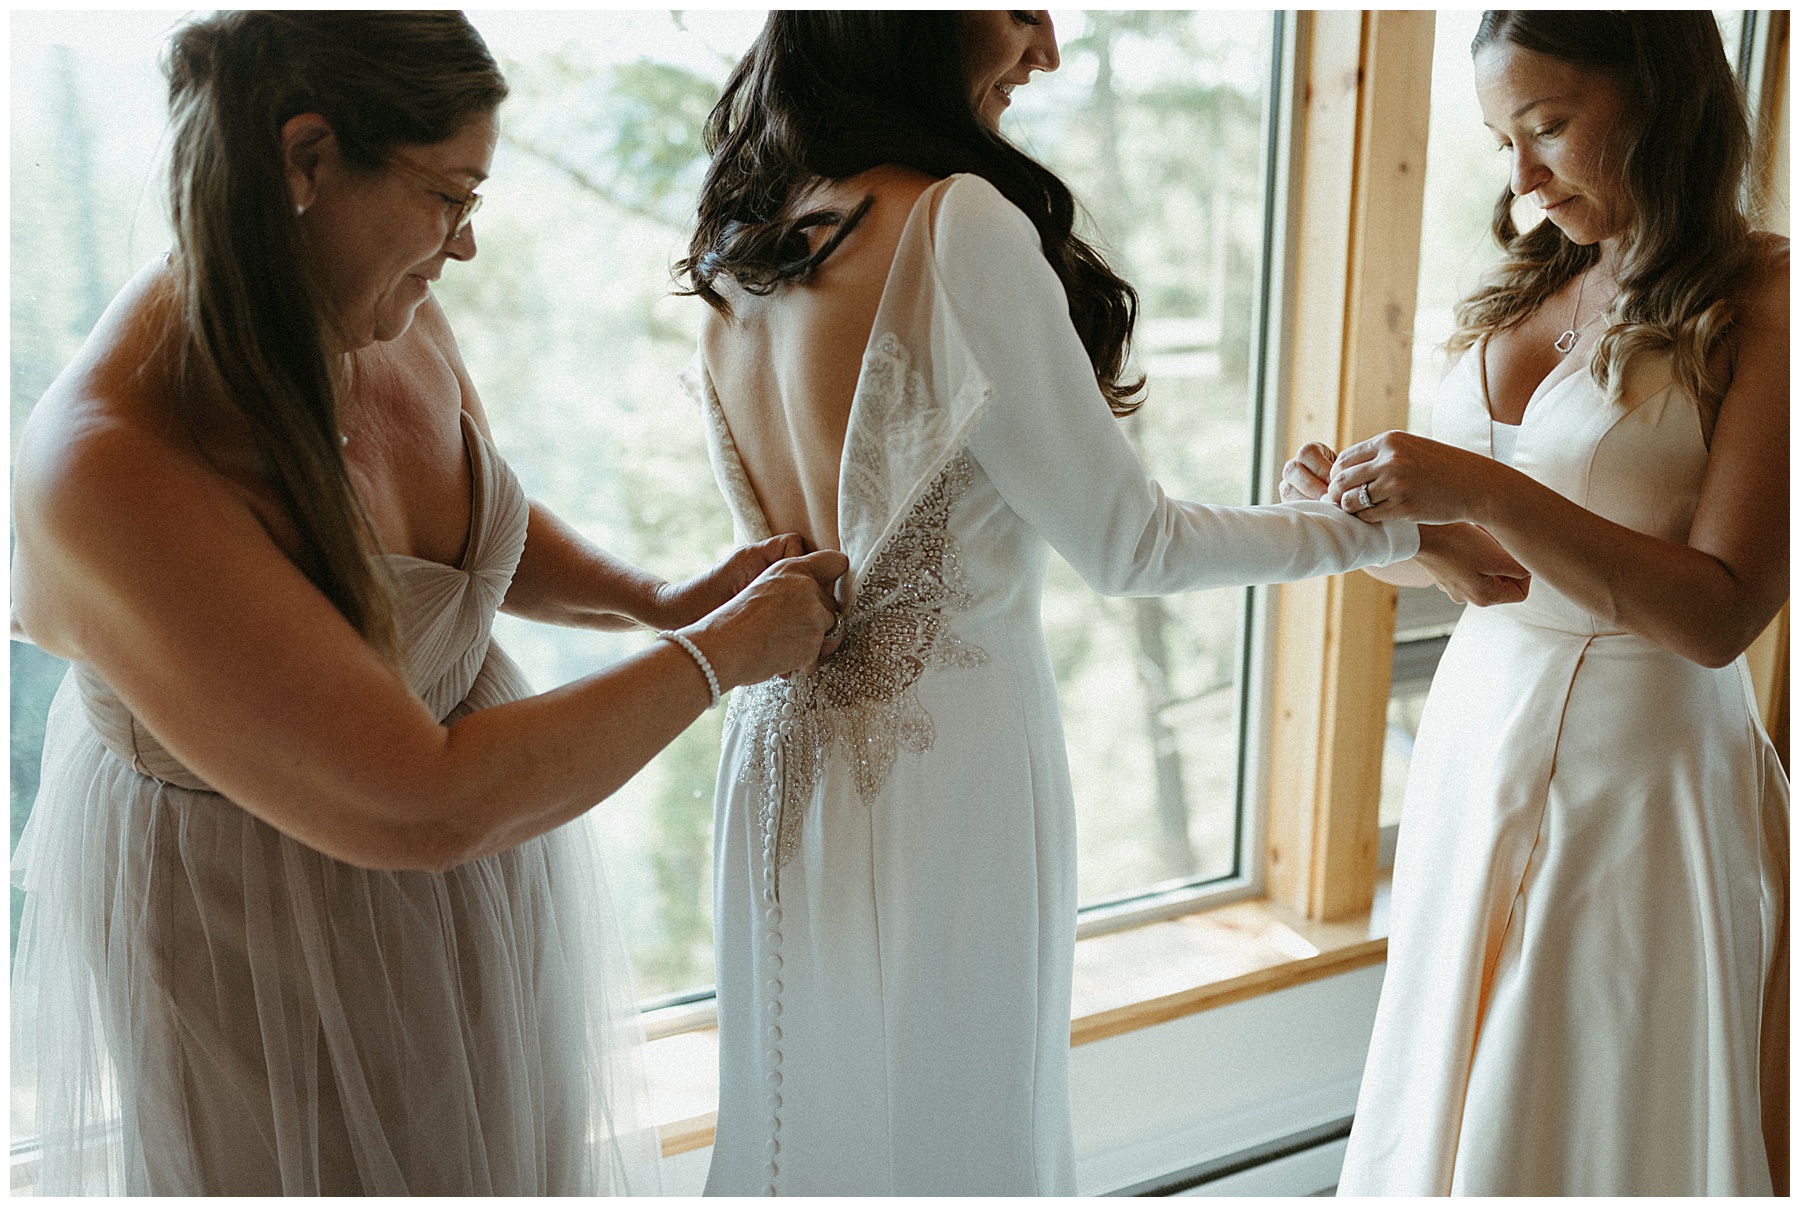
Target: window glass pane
[[1731, 31], [1464, 173], [569, 330], [1424, 619], [87, 122], [1155, 120], [566, 323]]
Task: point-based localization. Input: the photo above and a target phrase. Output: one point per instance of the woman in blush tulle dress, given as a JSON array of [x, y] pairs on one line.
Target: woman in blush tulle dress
[[1586, 988], [310, 903]]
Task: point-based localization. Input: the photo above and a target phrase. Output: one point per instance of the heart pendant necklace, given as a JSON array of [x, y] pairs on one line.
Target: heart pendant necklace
[[1565, 343]]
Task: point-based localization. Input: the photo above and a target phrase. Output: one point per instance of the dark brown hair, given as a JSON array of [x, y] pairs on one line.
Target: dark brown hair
[[825, 94], [1683, 154], [250, 318]]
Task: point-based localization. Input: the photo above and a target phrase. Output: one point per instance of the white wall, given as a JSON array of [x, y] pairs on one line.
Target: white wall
[[1169, 1097]]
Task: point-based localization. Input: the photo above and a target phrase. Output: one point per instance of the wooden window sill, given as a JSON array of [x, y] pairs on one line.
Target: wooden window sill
[[1125, 980]]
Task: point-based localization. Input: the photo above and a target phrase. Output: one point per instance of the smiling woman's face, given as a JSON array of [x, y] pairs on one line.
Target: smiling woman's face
[[1561, 125], [1002, 48], [381, 238]]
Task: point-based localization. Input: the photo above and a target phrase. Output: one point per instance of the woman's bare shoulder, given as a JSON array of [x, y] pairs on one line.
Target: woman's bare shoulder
[[1766, 296], [104, 459], [101, 491], [113, 400]]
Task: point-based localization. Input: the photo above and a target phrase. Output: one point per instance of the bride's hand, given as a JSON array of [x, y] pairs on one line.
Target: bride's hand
[[1400, 476], [1470, 566], [1308, 473]]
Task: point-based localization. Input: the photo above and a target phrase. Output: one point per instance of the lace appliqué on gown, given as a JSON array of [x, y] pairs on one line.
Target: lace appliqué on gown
[[864, 700], [898, 430]]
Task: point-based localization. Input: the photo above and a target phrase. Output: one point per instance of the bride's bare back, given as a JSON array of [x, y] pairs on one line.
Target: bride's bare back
[[785, 366]]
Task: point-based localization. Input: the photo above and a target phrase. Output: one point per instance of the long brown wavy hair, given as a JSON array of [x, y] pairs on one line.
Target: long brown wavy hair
[[250, 322], [1683, 155], [825, 94]]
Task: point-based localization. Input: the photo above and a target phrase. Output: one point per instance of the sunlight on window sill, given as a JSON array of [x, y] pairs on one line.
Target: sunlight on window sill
[[1125, 980]]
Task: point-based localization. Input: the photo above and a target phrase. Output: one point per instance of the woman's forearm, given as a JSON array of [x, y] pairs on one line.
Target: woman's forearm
[[1680, 597], [399, 795], [519, 770], [1705, 596], [1409, 573], [564, 579]]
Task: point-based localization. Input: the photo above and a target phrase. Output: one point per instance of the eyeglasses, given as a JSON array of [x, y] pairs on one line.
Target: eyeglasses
[[463, 201]]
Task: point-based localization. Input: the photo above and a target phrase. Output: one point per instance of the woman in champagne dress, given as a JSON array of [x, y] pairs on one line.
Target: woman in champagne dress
[[910, 358], [310, 905], [1586, 989]]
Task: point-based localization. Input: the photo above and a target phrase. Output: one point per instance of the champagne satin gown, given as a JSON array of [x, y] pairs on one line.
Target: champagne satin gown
[[1587, 962]]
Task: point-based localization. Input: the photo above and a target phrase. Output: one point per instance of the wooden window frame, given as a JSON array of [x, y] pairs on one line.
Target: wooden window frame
[[1341, 365], [1762, 63], [1361, 124], [1360, 133]]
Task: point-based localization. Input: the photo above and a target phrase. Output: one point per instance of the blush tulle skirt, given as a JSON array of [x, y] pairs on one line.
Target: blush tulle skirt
[[202, 1005]]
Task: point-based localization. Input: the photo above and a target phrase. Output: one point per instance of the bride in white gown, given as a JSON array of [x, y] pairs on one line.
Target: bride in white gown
[[911, 358], [310, 906]]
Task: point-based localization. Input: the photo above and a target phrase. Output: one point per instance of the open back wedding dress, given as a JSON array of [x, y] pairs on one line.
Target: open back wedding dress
[[895, 846]]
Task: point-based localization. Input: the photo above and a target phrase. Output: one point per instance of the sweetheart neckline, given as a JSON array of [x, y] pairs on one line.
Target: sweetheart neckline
[[477, 503], [1532, 402]]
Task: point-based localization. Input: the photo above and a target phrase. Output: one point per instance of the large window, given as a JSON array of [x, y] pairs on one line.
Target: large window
[[1159, 121], [1463, 175]]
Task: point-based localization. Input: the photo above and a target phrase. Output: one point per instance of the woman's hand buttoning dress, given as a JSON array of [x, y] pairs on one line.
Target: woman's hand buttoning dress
[[311, 905], [1586, 988], [911, 358]]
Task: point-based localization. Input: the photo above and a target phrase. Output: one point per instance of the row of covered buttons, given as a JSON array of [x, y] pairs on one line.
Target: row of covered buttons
[[771, 966]]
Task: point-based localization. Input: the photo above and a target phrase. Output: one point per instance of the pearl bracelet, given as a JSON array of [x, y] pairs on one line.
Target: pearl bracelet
[[712, 680]]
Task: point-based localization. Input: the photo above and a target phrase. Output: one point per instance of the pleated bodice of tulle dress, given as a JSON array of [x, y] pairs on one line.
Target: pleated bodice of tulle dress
[[445, 616], [203, 1005]]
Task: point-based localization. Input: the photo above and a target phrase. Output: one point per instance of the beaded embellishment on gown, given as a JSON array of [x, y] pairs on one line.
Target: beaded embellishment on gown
[[863, 702]]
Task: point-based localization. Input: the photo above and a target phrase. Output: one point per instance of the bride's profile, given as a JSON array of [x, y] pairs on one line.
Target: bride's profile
[[909, 356]]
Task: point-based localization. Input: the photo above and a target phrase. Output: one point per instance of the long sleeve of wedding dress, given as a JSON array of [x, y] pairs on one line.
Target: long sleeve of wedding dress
[[1056, 455], [895, 890]]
